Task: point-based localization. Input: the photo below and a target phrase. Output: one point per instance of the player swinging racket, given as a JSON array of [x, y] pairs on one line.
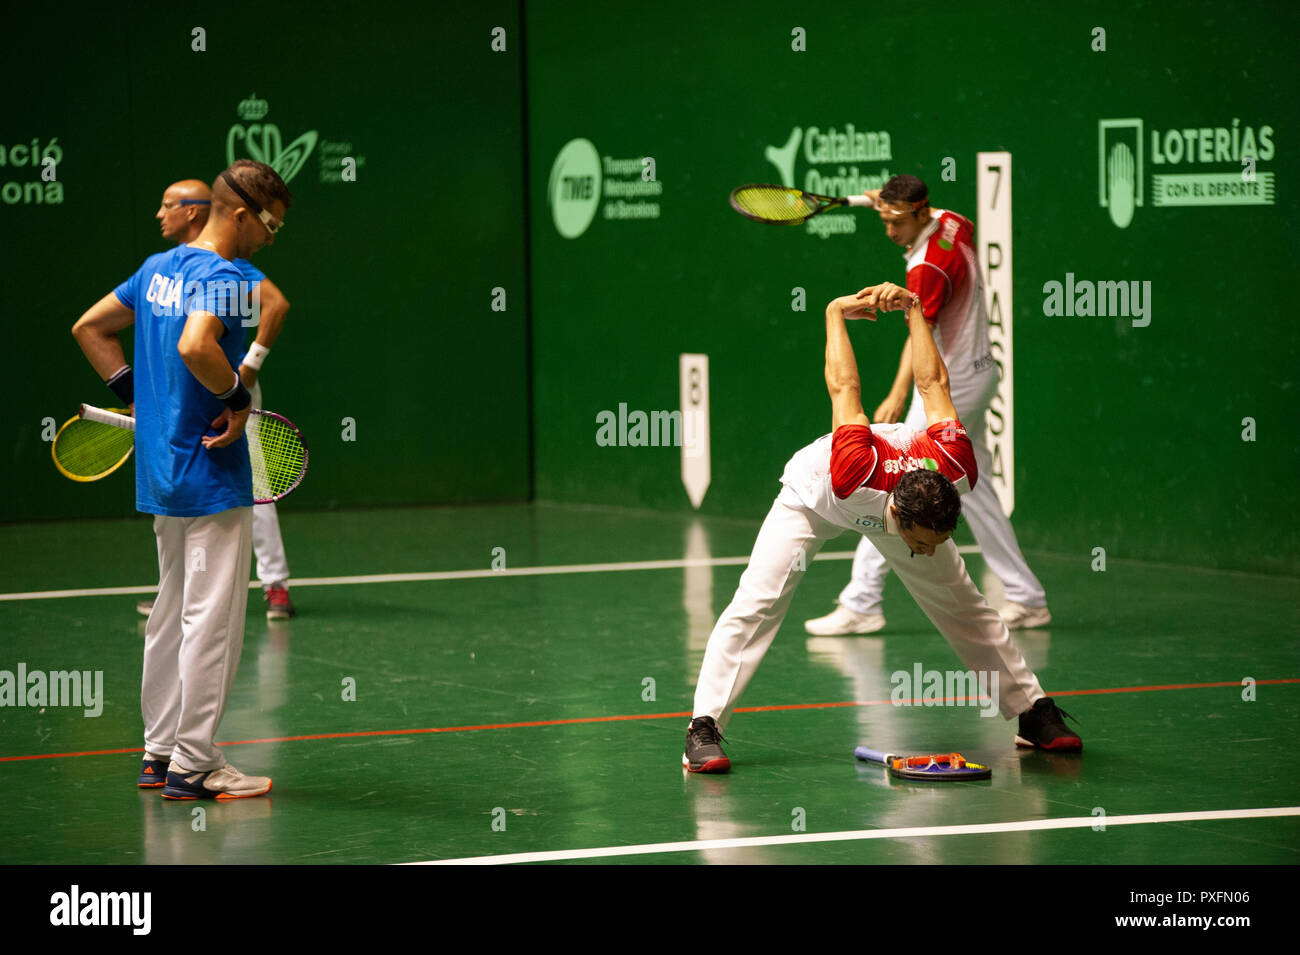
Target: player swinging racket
[[898, 485], [943, 269], [182, 216], [188, 340]]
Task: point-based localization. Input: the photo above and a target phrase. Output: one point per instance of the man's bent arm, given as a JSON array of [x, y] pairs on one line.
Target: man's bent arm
[[842, 382], [273, 307], [200, 349], [928, 369], [96, 332]]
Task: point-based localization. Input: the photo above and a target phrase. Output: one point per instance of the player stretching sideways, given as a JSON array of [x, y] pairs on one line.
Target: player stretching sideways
[[182, 216], [898, 485]]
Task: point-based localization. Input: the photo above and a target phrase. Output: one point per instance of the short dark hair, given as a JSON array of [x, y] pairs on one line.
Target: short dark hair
[[905, 188], [929, 499], [260, 181]]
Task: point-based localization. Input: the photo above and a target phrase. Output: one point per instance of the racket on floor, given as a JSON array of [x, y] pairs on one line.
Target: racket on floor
[[276, 449], [936, 767], [782, 205], [85, 450]]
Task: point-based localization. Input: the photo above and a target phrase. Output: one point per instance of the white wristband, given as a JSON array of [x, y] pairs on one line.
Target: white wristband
[[255, 356]]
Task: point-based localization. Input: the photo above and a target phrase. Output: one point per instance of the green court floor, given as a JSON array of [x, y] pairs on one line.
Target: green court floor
[[503, 713]]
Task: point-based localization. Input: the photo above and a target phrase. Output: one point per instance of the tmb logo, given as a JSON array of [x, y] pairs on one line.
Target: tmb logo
[[574, 189]]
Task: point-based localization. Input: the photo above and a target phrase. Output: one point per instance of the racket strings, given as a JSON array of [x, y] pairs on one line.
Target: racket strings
[[775, 204], [88, 449], [277, 455]]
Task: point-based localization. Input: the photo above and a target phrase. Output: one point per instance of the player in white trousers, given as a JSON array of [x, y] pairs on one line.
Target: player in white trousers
[[198, 561], [897, 485], [943, 269], [182, 214], [197, 484]]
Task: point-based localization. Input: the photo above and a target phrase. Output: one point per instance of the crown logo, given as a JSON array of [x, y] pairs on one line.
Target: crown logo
[[253, 108]]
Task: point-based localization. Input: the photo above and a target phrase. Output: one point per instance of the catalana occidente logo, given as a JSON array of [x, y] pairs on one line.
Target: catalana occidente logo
[[831, 156], [1235, 150], [581, 178], [255, 139]]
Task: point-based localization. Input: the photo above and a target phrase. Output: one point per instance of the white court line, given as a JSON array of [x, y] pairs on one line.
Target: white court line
[[1029, 825], [447, 575]]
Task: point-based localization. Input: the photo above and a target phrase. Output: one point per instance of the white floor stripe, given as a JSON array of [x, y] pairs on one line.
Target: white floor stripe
[[1080, 822], [446, 575]]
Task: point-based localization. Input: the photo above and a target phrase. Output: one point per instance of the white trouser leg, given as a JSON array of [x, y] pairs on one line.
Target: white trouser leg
[[272, 565], [215, 561], [160, 689], [981, 509], [268, 546], [790, 537], [943, 589]]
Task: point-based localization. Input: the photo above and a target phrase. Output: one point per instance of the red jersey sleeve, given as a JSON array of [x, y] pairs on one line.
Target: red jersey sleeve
[[944, 267], [958, 454], [853, 458]]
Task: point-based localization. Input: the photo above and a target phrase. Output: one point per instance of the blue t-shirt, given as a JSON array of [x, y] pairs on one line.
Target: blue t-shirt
[[174, 474]]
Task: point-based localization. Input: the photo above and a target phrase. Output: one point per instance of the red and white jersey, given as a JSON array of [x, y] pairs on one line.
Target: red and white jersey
[[847, 477], [943, 269]]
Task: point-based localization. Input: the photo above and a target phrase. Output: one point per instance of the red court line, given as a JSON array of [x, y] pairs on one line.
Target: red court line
[[1171, 686], [640, 716]]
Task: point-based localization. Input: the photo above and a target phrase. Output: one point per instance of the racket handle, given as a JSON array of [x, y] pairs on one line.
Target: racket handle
[[862, 201], [872, 755], [91, 413]]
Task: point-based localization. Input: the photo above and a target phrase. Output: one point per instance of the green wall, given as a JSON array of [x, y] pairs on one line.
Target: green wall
[[390, 277], [1126, 438]]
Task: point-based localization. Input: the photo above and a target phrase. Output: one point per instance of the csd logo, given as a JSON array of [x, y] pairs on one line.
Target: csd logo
[[262, 141]]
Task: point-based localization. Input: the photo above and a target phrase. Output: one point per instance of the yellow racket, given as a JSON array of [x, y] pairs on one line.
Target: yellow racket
[[276, 448], [86, 450], [782, 205]]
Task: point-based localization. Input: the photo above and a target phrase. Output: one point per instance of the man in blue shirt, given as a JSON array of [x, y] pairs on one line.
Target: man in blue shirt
[[192, 472], [182, 215]]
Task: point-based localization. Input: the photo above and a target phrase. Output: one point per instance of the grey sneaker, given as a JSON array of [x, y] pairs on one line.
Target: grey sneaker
[[1019, 617], [842, 621], [224, 783]]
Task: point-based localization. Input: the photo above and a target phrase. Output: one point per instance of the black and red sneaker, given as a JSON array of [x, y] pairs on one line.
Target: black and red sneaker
[[1043, 727], [278, 604], [703, 754]]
